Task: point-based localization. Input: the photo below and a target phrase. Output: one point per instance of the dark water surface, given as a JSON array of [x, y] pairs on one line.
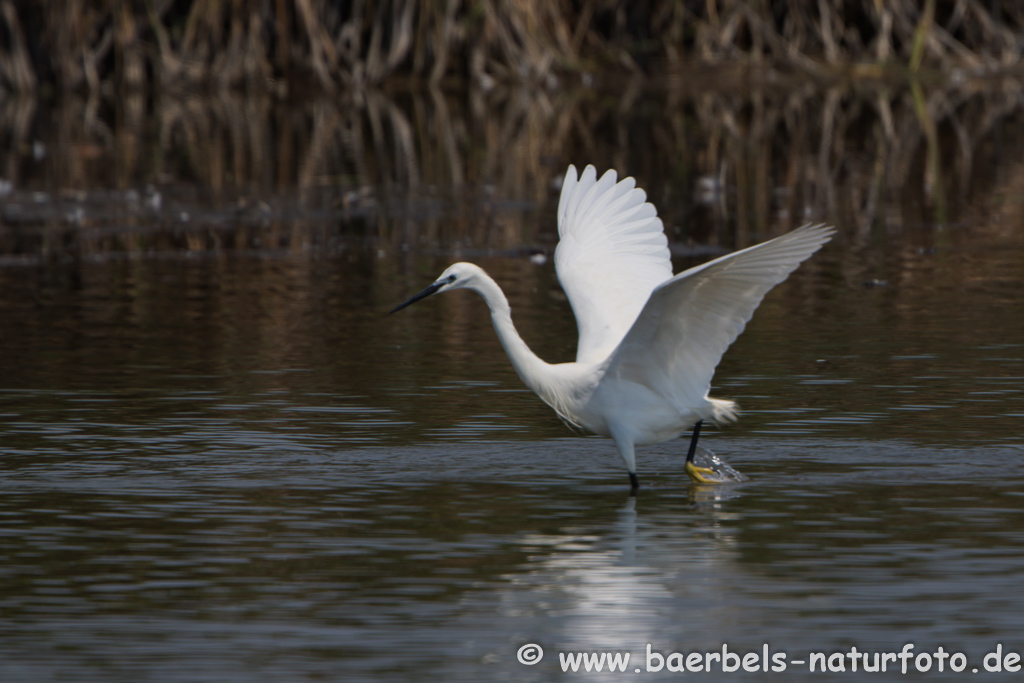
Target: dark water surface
[[222, 461]]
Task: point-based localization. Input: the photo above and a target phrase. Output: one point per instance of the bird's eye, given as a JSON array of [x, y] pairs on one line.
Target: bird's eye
[[451, 278]]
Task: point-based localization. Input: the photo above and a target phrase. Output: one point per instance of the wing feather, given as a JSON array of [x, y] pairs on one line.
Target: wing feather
[[612, 253], [689, 321]]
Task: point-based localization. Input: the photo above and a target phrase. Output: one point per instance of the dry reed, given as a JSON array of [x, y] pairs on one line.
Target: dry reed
[[283, 46], [417, 171]]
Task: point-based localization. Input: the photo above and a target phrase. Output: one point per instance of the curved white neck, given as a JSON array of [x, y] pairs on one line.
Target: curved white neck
[[530, 368], [562, 386]]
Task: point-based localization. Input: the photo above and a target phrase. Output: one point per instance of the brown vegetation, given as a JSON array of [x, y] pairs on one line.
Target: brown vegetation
[[428, 169], [284, 45]]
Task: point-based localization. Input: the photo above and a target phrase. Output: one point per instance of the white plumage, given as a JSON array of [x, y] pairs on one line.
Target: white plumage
[[649, 342], [612, 252]]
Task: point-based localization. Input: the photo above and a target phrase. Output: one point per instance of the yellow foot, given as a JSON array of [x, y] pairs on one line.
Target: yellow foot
[[703, 475]]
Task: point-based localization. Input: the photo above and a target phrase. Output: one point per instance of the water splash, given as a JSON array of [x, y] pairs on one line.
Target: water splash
[[723, 472]]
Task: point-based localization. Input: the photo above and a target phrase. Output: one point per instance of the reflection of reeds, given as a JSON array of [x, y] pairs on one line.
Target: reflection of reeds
[[432, 170], [274, 46]]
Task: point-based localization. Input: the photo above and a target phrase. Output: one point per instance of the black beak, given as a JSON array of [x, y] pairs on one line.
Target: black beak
[[422, 295]]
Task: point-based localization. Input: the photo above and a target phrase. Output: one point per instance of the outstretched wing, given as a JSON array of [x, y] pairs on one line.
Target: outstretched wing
[[678, 339], [612, 252]]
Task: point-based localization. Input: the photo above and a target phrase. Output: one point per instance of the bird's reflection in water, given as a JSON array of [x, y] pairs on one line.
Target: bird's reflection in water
[[662, 573]]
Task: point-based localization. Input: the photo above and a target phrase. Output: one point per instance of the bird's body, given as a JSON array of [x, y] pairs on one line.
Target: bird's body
[[649, 341]]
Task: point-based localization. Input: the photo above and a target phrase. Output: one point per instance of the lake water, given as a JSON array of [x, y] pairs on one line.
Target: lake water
[[222, 461]]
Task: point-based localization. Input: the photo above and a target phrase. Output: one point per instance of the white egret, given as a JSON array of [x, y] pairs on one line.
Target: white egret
[[649, 342]]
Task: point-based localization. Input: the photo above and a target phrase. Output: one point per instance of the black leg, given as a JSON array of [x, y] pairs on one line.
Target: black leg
[[633, 481], [693, 442]]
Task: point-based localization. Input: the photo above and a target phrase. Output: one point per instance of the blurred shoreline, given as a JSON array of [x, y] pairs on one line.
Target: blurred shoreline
[[435, 171]]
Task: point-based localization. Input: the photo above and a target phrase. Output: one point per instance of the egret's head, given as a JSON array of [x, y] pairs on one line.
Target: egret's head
[[456, 276]]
